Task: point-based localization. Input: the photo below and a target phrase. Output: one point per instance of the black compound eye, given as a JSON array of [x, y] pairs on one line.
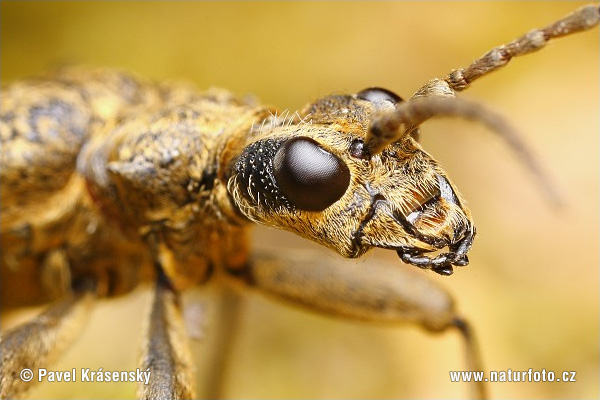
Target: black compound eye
[[311, 178], [377, 95]]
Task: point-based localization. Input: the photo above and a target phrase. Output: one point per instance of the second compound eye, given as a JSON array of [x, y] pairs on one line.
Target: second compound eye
[[377, 95], [311, 178]]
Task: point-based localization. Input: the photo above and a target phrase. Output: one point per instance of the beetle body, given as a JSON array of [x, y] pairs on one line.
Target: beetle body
[[119, 176]]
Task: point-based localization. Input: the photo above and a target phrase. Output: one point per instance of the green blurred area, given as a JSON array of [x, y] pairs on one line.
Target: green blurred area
[[531, 289]]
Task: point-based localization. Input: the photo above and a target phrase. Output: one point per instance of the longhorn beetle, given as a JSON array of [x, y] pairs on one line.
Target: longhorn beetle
[[109, 180]]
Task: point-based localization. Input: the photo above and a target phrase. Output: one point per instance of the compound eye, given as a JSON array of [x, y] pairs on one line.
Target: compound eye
[[377, 95], [311, 178]]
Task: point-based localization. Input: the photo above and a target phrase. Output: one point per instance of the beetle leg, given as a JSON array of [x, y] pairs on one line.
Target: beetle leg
[[38, 342], [377, 293], [165, 352]]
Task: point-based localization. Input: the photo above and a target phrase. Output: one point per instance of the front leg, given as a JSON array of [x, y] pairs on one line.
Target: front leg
[[37, 343], [377, 293], [165, 352]]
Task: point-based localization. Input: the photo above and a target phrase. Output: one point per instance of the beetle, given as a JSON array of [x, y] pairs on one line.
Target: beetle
[[119, 185]]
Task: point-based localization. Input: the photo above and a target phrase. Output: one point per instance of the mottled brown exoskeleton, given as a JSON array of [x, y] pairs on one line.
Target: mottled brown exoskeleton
[[109, 180]]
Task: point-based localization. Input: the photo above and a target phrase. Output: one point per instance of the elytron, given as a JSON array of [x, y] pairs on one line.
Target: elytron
[[109, 180]]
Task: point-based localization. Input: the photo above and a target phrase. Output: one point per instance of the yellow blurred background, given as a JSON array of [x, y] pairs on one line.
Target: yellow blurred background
[[532, 288]]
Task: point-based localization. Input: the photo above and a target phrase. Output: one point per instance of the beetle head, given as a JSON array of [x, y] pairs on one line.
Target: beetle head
[[313, 176]]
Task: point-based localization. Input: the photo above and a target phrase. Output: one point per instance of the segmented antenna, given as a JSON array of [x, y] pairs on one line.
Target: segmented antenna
[[437, 97]]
